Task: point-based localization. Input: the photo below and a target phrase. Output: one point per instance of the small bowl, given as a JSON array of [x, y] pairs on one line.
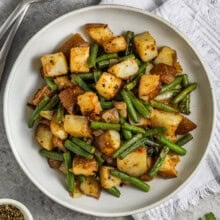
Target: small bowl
[[20, 206]]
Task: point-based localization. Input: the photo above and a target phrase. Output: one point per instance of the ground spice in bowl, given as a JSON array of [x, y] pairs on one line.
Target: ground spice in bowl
[[10, 212]]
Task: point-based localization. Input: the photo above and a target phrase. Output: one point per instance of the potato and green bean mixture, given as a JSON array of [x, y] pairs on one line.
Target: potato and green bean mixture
[[113, 111]]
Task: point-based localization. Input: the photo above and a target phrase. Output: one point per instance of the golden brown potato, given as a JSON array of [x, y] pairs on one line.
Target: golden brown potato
[[122, 108], [68, 97], [99, 32], [108, 142], [168, 120], [124, 69], [79, 59], [167, 73], [47, 114], [111, 115], [44, 136], [77, 126], [178, 67], [40, 94], [54, 64], [63, 82], [75, 40], [62, 168], [185, 126], [108, 85], [84, 166], [89, 103], [135, 163], [57, 129], [58, 143], [167, 170], [167, 56], [76, 192], [115, 44], [149, 86], [145, 46], [106, 179], [91, 187]]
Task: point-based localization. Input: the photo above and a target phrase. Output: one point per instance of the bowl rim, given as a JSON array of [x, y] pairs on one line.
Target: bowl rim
[[82, 210], [19, 205]]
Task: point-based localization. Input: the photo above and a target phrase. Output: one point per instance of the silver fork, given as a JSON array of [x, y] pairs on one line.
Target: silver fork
[[14, 15]]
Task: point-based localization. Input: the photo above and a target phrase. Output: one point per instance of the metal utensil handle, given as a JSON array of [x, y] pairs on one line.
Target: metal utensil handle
[[7, 44]]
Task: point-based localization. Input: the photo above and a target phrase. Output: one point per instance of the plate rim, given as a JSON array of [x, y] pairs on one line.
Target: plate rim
[[9, 136]]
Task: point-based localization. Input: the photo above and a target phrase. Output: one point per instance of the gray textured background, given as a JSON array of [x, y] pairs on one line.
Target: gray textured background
[[13, 182]]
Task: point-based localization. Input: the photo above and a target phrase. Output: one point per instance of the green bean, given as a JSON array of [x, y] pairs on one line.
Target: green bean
[[35, 114], [126, 144], [172, 146], [184, 140], [52, 103], [126, 133], [130, 106], [162, 106], [82, 178], [105, 126], [51, 155], [173, 84], [93, 54], [151, 143], [77, 150], [60, 114], [97, 75], [83, 76], [103, 64], [208, 216], [107, 57], [140, 72], [114, 191], [50, 83], [157, 165], [129, 38], [81, 83], [139, 143], [133, 128], [139, 106], [184, 92], [105, 104], [69, 175], [98, 157], [87, 147], [154, 131], [127, 57], [133, 180]]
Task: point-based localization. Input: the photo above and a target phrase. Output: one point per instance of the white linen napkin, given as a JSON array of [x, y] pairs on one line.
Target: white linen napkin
[[200, 21]]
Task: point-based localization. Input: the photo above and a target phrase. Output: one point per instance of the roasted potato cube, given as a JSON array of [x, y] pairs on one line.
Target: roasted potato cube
[[47, 114], [124, 69], [178, 67], [111, 115], [115, 44], [149, 86], [76, 192], [167, 170], [57, 129], [79, 59], [169, 120], [185, 126], [62, 168], [143, 122], [68, 97], [40, 94], [54, 64], [167, 56], [99, 32], [58, 143], [77, 126], [88, 103], [135, 163], [91, 187], [63, 82], [108, 142], [84, 166], [108, 85], [167, 73], [106, 179], [44, 136], [145, 46], [75, 40], [122, 108]]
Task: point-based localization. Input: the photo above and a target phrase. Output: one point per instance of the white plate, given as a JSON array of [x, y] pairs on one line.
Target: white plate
[[25, 78]]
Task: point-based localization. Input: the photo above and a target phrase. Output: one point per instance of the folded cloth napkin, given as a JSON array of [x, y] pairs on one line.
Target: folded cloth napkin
[[200, 21]]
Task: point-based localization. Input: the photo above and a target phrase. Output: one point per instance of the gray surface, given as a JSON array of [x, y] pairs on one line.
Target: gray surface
[[13, 182]]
